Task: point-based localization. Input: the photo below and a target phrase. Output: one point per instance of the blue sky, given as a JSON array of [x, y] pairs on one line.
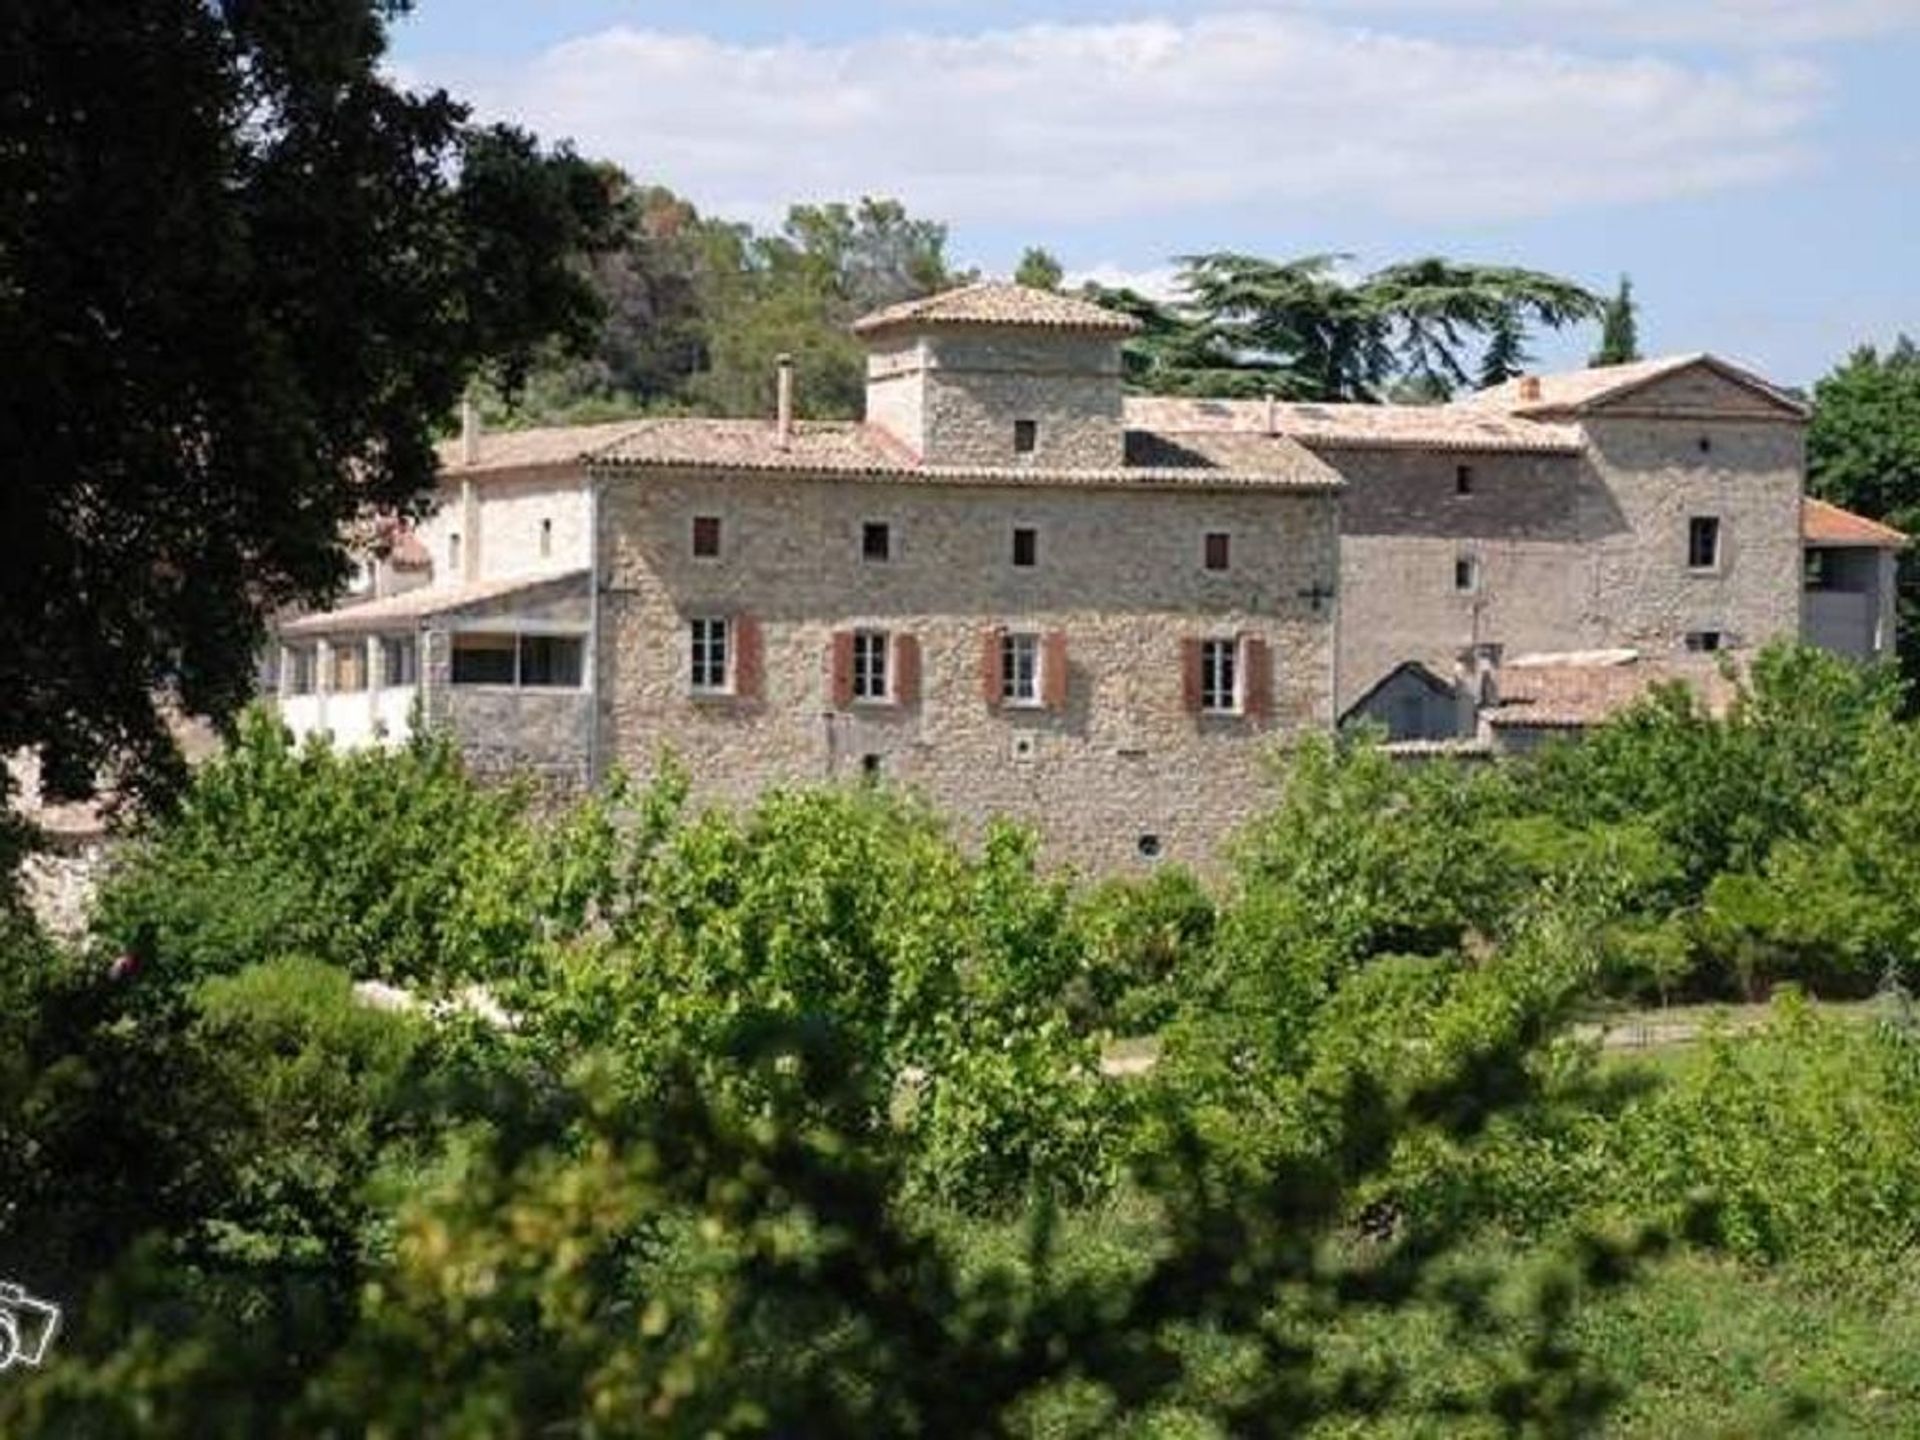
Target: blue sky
[[1753, 164]]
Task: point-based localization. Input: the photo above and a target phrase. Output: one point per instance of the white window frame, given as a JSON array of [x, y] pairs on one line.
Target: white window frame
[[1223, 675], [1014, 645], [872, 667], [705, 633]]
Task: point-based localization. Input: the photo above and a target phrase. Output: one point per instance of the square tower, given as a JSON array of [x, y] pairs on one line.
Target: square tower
[[999, 375]]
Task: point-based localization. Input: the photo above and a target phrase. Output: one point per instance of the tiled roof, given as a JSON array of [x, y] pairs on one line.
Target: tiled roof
[[551, 445], [1576, 392], [995, 302], [418, 604], [1825, 524], [1361, 427], [849, 450], [1546, 695]]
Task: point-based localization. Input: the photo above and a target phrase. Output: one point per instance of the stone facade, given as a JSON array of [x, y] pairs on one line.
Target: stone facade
[[1119, 574]]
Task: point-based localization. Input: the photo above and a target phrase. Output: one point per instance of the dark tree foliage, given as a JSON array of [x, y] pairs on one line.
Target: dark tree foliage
[[1039, 269], [1302, 330], [1619, 328], [242, 278]]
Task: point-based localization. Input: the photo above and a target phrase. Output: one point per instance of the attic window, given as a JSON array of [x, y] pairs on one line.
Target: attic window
[[1217, 551], [1706, 444], [1463, 479], [1466, 574], [706, 537], [876, 541], [1026, 436]]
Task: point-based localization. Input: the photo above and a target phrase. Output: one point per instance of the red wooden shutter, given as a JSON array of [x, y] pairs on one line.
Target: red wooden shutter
[[1053, 670], [747, 666], [991, 641], [840, 670], [1257, 660], [906, 669], [1190, 675]]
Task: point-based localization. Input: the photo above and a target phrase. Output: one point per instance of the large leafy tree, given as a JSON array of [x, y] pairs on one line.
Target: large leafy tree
[[243, 276], [1304, 330], [1863, 452]]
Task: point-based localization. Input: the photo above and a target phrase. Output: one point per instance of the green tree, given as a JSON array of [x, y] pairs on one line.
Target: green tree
[[243, 276], [1863, 452], [1039, 269], [1619, 328]]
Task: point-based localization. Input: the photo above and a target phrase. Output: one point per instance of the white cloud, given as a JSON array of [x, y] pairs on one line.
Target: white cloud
[[1055, 124], [1730, 23]]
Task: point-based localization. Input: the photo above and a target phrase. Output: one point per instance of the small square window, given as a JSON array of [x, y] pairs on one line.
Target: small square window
[[1463, 479], [1020, 669], [1220, 677], [870, 665], [876, 541], [1705, 642], [1218, 550], [1466, 574], [706, 537], [709, 640], [1026, 436], [1026, 547], [1703, 542]]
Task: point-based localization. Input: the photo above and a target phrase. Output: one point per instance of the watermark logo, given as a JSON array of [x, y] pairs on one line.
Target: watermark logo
[[26, 1327]]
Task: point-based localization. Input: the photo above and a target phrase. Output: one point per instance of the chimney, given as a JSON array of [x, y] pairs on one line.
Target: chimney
[[1273, 413], [1477, 684], [1529, 388], [783, 411], [469, 433]]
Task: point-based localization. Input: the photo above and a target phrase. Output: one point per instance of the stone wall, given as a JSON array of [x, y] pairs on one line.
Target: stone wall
[[952, 397], [1570, 552], [1120, 574]]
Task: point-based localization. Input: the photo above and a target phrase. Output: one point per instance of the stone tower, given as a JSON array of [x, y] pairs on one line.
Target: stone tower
[[998, 375]]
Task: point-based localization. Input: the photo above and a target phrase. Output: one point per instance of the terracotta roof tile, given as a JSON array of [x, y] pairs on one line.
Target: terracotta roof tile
[[848, 450], [1360, 427], [417, 604], [1542, 693], [1822, 523], [548, 446], [996, 302], [1575, 392]]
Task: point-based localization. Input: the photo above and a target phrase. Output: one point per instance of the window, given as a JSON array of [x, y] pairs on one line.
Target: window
[[1026, 547], [1219, 676], [1705, 642], [1463, 479], [870, 664], [870, 766], [1703, 542], [349, 667], [876, 541], [299, 669], [546, 539], [1466, 574], [1218, 550], [399, 661], [1148, 846], [1706, 444], [706, 537], [1026, 436], [709, 641], [484, 659], [552, 662], [453, 553], [1020, 669]]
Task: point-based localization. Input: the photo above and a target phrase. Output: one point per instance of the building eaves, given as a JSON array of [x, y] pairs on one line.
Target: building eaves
[[1823, 523], [420, 604], [1452, 429], [998, 303]]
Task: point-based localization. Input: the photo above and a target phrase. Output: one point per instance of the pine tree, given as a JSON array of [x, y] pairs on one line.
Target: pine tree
[[1619, 329]]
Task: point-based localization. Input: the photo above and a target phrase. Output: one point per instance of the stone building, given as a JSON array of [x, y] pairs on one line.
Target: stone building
[[1021, 593]]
